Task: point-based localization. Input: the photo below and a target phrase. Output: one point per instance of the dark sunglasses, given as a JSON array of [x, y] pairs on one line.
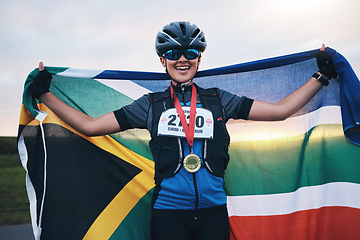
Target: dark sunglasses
[[175, 54]]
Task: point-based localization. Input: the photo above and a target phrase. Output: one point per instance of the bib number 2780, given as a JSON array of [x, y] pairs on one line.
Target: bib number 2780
[[170, 124], [199, 121]]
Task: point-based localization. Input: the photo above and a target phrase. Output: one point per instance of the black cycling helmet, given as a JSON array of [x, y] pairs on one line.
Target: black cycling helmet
[[179, 35]]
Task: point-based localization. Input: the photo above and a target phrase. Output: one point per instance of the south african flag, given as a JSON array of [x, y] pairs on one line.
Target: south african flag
[[292, 179]]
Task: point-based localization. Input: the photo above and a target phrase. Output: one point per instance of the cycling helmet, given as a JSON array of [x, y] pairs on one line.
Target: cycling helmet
[[179, 35]]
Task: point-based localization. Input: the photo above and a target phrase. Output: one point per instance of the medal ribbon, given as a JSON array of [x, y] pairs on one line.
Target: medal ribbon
[[189, 130]]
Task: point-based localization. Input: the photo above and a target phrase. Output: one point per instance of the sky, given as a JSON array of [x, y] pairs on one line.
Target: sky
[[120, 35]]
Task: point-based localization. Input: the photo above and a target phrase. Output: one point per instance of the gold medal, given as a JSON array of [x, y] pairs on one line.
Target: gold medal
[[192, 163]]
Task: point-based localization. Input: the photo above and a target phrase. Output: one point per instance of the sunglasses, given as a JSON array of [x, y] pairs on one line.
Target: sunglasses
[[175, 54]]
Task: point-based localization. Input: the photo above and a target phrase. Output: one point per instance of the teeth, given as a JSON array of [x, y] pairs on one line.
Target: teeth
[[182, 68]]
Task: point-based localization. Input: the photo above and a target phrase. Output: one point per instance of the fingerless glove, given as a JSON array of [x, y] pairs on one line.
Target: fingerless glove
[[325, 64], [41, 83]]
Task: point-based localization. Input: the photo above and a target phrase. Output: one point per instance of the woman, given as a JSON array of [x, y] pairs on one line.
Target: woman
[[189, 140]]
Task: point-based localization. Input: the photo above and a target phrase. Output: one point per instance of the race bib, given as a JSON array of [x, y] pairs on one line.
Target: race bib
[[170, 125]]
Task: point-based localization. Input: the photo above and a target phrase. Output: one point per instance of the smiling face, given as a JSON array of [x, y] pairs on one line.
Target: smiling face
[[181, 70]]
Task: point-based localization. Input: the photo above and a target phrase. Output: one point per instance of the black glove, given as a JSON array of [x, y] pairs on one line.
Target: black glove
[[325, 64], [41, 83]]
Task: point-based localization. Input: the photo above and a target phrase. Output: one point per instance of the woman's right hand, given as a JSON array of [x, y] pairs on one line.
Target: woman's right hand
[[90, 126], [41, 82]]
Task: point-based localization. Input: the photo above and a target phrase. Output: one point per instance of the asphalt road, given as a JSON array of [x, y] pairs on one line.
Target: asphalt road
[[16, 232]]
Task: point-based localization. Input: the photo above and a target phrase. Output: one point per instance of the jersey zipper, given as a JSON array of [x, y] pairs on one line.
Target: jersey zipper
[[183, 94], [196, 197]]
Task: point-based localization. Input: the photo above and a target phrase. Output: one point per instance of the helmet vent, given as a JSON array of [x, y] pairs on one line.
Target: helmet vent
[[170, 33], [195, 33], [161, 40], [183, 28]]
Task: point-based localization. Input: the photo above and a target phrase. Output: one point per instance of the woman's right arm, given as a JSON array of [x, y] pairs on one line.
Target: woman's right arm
[[90, 126]]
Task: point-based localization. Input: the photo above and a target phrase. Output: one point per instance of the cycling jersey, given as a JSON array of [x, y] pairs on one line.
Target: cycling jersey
[[185, 190]]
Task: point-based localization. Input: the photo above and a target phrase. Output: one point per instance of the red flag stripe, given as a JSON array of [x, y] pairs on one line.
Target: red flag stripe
[[327, 223]]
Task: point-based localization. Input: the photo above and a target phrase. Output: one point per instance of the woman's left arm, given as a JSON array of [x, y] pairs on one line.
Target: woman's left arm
[[265, 111]]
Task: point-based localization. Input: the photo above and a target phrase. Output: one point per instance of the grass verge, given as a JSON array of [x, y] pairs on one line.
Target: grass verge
[[14, 204]]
